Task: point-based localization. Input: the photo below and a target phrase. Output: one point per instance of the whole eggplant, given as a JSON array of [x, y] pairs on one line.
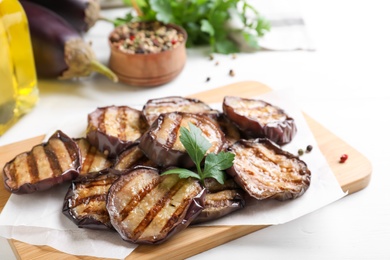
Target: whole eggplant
[[59, 50], [81, 14]]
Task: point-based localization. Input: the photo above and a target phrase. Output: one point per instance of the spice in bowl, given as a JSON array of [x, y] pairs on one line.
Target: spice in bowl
[[147, 53], [141, 38]]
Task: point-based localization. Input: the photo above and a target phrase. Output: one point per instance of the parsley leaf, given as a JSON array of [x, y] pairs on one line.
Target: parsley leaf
[[163, 10], [196, 146], [183, 173]]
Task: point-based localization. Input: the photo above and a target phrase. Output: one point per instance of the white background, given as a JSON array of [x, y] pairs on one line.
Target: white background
[[343, 85]]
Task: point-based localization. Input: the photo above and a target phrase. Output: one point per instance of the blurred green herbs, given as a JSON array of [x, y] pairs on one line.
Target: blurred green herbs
[[206, 21]]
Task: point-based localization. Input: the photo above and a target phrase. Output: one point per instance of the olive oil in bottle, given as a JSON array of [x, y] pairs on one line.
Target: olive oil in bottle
[[18, 80]]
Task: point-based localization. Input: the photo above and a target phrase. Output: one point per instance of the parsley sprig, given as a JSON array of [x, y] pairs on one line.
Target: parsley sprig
[[196, 146], [204, 20]]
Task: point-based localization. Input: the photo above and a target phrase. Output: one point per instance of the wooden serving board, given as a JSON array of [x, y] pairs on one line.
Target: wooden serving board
[[352, 176]]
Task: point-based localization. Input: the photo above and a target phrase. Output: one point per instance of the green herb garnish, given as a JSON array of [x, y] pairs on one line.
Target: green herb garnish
[[196, 146], [206, 21]]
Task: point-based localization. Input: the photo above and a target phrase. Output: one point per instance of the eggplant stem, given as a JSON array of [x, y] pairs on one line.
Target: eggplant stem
[[100, 68], [102, 18]]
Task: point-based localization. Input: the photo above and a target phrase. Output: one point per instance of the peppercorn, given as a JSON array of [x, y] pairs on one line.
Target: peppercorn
[[300, 152], [309, 148], [207, 79], [231, 73], [343, 158]]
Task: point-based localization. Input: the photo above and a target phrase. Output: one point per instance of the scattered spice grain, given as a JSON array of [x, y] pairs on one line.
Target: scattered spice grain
[[343, 158]]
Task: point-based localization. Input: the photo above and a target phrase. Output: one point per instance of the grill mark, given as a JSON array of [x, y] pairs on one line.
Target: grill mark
[[121, 118], [133, 203], [96, 213], [72, 151], [173, 219], [89, 157], [175, 132], [134, 157], [32, 168], [53, 161], [284, 176], [89, 199], [156, 209], [101, 122], [99, 183]]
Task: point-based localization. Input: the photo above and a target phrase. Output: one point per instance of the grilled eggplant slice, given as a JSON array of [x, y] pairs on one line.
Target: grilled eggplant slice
[[147, 208], [132, 157], [232, 133], [162, 145], [265, 171], [92, 160], [259, 119], [213, 186], [220, 204], [85, 201], [154, 107], [220, 200], [112, 129], [46, 165]]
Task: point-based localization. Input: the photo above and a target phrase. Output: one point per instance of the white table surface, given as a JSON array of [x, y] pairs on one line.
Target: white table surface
[[343, 85]]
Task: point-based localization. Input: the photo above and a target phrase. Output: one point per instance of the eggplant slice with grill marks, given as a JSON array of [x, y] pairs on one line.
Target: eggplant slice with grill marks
[[131, 158], [112, 129], [259, 119], [232, 133], [147, 208], [154, 107], [92, 160], [265, 171], [220, 200], [162, 145], [46, 165], [85, 201]]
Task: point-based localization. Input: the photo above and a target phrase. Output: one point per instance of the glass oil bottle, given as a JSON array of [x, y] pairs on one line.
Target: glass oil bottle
[[18, 80]]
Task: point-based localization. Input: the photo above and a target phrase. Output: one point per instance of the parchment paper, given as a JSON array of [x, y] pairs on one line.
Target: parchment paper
[[37, 218]]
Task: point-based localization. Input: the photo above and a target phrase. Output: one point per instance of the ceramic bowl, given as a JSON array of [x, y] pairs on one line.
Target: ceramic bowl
[[147, 69]]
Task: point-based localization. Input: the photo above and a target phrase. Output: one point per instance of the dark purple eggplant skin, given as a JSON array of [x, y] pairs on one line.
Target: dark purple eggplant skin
[[81, 14], [281, 132], [87, 222], [51, 182]]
